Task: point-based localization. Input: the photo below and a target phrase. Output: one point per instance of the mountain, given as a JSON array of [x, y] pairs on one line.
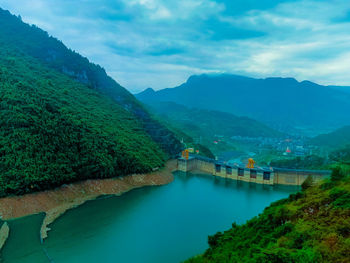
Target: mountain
[[275, 101], [208, 123], [345, 89], [333, 140], [36, 43], [62, 119]]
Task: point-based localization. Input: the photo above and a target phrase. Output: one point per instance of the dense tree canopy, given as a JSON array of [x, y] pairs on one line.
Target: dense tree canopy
[[306, 162], [36, 43], [64, 119], [55, 130]]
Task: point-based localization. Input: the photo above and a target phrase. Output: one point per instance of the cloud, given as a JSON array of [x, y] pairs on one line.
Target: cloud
[[158, 43]]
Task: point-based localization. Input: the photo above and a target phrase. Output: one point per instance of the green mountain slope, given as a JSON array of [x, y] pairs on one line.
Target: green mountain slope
[[310, 226], [336, 139], [184, 136], [36, 43], [62, 119], [210, 123], [55, 130]]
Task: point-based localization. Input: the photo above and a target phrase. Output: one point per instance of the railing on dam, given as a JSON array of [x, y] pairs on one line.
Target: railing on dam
[[262, 175]]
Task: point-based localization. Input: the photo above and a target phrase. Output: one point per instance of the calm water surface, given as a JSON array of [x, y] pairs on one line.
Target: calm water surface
[[153, 224]]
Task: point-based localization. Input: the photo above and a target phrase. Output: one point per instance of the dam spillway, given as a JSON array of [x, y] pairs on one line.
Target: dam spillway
[[260, 175]]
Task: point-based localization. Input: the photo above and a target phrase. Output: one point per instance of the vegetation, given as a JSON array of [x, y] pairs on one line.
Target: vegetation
[[206, 126], [307, 162], [33, 42], [310, 226], [204, 151], [342, 155], [334, 140], [62, 119], [188, 141], [208, 123], [55, 130]]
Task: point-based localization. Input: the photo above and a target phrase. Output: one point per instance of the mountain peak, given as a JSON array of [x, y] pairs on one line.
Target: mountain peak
[[149, 90], [146, 92]]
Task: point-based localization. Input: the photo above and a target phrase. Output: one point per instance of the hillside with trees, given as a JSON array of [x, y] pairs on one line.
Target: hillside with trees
[[333, 140], [31, 41], [310, 226], [305, 162], [55, 130], [57, 126], [208, 123]]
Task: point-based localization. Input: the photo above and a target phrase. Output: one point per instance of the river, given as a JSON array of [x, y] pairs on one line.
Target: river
[[167, 223]]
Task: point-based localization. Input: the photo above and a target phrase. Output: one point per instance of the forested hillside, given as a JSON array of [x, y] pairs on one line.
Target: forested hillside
[[208, 123], [186, 136], [55, 129], [305, 162], [36, 43], [310, 226], [333, 140]]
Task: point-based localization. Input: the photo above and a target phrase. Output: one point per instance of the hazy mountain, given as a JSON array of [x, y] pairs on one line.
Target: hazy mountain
[[345, 89], [200, 122], [277, 101], [336, 139]]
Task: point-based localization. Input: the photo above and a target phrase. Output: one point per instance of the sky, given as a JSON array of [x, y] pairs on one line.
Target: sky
[[159, 44]]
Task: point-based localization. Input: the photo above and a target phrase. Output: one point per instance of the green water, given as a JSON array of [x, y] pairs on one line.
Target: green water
[[153, 224]]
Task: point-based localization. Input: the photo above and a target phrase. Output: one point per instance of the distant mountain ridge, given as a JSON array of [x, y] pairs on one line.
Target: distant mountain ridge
[[282, 101]]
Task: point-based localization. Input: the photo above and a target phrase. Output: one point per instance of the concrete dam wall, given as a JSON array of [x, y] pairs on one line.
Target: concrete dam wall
[[270, 176]]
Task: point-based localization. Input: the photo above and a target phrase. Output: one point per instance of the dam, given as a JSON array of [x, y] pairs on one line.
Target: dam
[[260, 175]]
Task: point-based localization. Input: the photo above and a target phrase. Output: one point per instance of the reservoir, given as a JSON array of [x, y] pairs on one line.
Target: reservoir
[[155, 224]]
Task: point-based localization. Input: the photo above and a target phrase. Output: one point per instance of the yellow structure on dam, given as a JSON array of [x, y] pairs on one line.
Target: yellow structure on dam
[[251, 163], [185, 154], [269, 176]]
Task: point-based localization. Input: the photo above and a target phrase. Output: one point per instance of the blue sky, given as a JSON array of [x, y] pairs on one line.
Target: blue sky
[[159, 44]]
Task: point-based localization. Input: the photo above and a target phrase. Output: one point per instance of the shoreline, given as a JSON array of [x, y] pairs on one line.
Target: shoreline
[[4, 234], [56, 202]]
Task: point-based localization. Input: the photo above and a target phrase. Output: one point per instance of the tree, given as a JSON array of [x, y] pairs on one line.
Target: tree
[[307, 183], [337, 174]]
